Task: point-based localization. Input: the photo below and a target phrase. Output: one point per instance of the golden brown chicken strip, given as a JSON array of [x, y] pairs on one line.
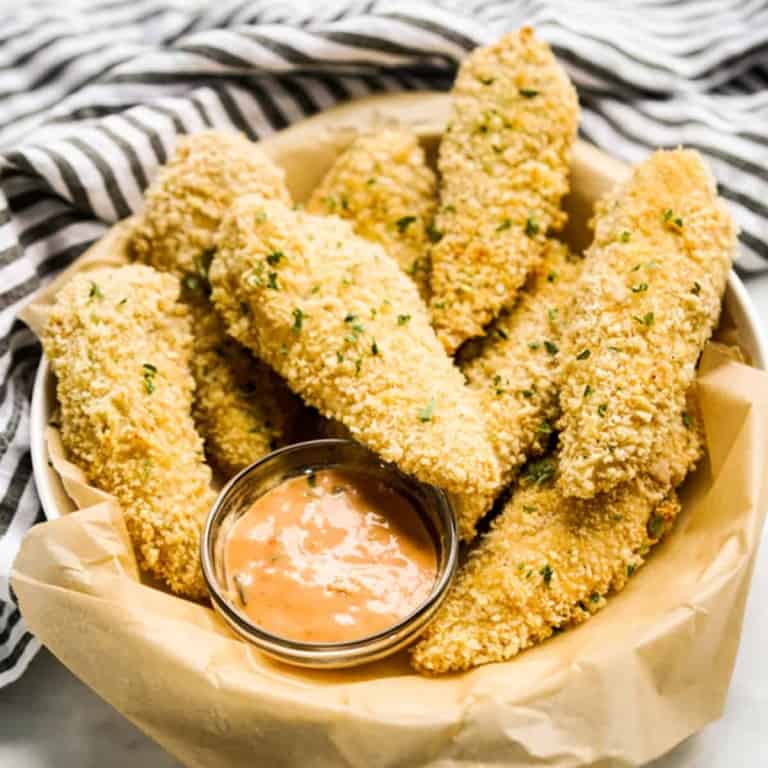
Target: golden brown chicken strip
[[504, 163], [550, 560], [119, 344], [338, 319], [384, 186], [241, 407], [647, 303]]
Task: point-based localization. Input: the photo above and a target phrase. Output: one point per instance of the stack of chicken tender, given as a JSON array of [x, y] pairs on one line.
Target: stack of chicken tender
[[440, 322]]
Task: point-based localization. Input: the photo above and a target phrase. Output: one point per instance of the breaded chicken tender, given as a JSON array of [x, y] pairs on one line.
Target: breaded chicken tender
[[504, 161], [549, 561], [185, 202], [241, 407], [337, 318], [516, 372], [384, 186], [647, 303], [119, 344]]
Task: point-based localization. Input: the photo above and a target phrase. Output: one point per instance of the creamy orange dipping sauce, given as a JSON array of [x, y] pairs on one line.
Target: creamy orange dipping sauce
[[328, 557]]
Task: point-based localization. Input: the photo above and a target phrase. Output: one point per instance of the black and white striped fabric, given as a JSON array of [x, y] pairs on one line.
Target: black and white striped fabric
[[94, 94]]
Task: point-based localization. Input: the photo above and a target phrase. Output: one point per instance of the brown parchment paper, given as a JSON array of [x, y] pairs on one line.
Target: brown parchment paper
[[643, 674]]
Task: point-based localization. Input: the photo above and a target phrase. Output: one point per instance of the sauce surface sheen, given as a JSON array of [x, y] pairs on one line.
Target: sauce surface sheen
[[329, 556]]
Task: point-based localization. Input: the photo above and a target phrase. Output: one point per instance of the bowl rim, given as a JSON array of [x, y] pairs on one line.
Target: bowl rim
[[350, 652]]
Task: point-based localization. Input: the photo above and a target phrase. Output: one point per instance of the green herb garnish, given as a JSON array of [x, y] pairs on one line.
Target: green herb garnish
[[403, 223], [550, 347], [506, 224], [425, 413], [403, 319], [647, 319], [588, 391], [655, 526], [546, 573], [275, 257], [602, 409], [272, 281], [374, 348], [95, 292], [640, 288], [583, 355], [298, 320], [687, 421], [696, 290], [528, 93], [531, 227], [625, 235], [150, 372], [540, 472]]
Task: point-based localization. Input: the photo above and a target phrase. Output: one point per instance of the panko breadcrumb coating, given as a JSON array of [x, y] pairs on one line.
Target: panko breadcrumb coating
[[647, 303], [241, 407], [337, 318], [384, 186], [516, 372], [504, 161], [119, 344], [549, 561], [185, 202]]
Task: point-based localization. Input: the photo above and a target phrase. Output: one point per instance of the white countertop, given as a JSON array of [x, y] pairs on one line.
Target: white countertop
[[49, 719]]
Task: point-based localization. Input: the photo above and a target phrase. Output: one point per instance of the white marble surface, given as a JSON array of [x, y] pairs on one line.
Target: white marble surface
[[49, 719]]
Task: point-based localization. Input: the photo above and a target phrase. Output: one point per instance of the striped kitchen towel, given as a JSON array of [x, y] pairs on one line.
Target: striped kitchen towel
[[94, 94]]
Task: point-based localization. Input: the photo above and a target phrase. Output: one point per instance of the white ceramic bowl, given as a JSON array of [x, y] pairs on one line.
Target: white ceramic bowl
[[307, 149]]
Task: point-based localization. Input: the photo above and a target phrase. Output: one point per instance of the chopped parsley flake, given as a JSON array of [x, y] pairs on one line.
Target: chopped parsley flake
[[552, 314], [647, 319], [588, 391], [371, 181], [530, 509], [374, 348], [602, 409], [149, 377], [502, 333], [275, 257], [640, 288], [298, 320], [631, 569], [340, 357], [540, 472], [528, 93], [95, 292], [583, 355], [687, 421], [403, 223], [545, 428], [655, 526], [526, 393], [531, 227], [272, 281], [546, 573], [425, 413], [594, 598], [625, 235], [506, 224], [551, 277], [358, 365], [403, 319], [696, 290], [487, 80], [433, 233], [550, 347], [534, 345], [192, 282]]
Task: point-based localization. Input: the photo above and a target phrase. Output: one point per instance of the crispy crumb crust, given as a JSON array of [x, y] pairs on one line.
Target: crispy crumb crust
[[383, 185], [515, 369], [550, 561], [119, 344], [338, 319], [647, 304], [241, 407], [504, 162]]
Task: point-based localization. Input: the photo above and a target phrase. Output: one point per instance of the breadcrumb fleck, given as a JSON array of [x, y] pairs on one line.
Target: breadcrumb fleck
[[503, 162]]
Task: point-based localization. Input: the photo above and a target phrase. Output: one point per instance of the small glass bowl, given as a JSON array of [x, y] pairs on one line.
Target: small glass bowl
[[254, 481]]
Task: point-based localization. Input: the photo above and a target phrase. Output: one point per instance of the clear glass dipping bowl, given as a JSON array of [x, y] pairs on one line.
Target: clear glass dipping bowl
[[254, 481]]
